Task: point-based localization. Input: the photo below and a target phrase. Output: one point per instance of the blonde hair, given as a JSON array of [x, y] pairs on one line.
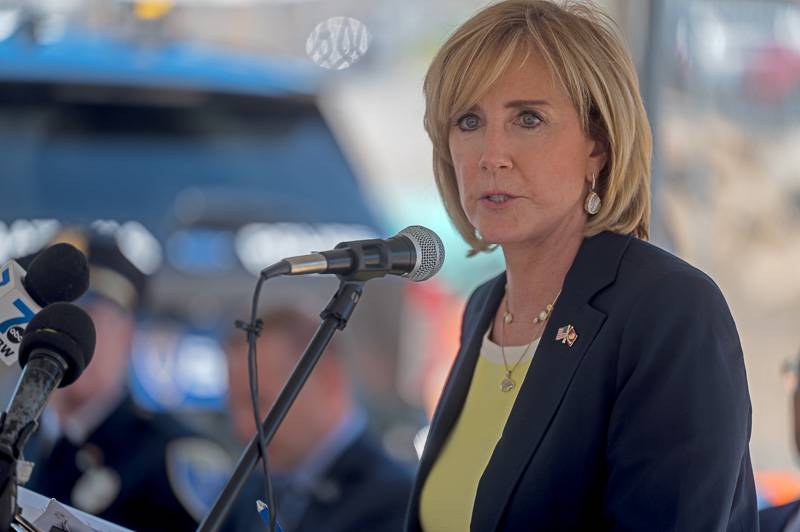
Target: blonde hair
[[586, 55]]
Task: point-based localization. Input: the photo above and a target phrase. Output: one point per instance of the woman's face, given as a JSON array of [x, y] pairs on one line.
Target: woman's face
[[522, 161]]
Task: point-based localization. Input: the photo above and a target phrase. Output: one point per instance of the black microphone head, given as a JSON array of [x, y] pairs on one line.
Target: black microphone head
[[429, 249], [59, 273], [65, 329]]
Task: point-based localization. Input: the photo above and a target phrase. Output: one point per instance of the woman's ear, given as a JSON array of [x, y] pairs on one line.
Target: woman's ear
[[598, 157], [599, 147]]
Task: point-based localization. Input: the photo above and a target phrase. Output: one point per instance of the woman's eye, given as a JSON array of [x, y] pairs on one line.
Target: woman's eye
[[468, 122], [528, 119]]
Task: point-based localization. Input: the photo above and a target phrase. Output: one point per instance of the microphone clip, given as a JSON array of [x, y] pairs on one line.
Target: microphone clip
[[250, 328], [341, 306]]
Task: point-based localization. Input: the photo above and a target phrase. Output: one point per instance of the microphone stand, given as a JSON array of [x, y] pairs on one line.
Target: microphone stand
[[335, 316]]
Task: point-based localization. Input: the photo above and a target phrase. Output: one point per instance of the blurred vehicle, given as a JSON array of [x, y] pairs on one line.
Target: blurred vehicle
[[207, 166], [774, 75], [742, 56]]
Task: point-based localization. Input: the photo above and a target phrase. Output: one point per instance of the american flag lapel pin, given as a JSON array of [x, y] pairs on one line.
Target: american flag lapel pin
[[567, 335]]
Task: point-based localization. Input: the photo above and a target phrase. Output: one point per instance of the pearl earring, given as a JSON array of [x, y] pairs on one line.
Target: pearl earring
[[593, 201]]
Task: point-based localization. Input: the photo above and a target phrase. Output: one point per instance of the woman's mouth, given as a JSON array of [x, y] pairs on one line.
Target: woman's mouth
[[496, 200]]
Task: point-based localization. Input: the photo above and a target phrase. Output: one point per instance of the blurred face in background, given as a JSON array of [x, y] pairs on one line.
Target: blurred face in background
[[522, 161], [105, 376], [317, 409]]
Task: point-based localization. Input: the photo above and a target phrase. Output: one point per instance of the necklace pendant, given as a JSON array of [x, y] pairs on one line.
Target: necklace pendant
[[506, 385], [507, 317]]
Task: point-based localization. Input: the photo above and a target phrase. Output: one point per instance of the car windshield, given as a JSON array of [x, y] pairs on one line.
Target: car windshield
[[163, 157]]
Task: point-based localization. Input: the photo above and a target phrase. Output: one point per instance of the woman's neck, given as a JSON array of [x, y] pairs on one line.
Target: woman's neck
[[535, 271]]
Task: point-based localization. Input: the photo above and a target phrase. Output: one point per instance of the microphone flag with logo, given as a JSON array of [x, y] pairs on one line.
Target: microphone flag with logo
[[59, 273]]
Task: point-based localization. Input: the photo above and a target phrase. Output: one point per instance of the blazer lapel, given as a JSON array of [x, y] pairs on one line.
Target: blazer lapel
[[455, 391], [551, 371]]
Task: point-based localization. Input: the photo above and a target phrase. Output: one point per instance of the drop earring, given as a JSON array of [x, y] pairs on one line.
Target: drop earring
[[593, 201]]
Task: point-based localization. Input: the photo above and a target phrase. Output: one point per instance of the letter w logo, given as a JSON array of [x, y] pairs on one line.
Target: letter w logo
[[5, 350]]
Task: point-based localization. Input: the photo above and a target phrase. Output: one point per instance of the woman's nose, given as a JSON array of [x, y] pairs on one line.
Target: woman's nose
[[495, 154]]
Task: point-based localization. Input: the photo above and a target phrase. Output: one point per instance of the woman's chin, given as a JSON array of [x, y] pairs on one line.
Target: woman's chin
[[502, 236], [511, 238]]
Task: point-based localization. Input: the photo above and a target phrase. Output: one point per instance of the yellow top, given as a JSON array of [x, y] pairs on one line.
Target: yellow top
[[448, 495]]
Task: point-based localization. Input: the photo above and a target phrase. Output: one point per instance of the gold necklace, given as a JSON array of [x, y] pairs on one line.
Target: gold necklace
[[508, 384], [543, 315]]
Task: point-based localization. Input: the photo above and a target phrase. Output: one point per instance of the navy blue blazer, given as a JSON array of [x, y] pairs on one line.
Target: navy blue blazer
[[643, 424]]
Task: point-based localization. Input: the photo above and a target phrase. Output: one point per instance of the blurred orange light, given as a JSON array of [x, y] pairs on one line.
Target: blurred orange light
[[778, 487], [152, 9]]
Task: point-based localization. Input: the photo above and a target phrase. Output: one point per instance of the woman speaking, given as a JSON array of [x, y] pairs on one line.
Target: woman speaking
[[600, 383]]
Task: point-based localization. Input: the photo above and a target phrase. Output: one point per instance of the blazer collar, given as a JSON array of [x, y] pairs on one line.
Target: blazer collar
[[548, 379]]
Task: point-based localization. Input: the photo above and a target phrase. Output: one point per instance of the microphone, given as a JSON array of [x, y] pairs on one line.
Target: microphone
[[59, 273], [56, 347], [416, 253]]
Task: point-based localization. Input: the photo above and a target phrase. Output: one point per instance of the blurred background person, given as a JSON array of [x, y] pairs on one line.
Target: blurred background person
[[786, 517], [328, 473], [100, 452]]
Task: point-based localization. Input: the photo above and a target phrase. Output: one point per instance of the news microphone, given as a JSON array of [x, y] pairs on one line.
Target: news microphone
[[416, 253], [59, 273], [56, 347]]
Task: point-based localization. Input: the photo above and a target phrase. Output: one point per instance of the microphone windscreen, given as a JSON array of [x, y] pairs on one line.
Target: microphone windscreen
[[65, 329], [58, 273], [429, 249]]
